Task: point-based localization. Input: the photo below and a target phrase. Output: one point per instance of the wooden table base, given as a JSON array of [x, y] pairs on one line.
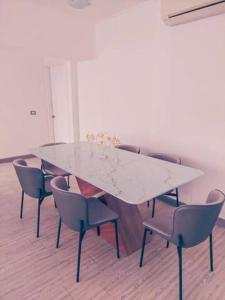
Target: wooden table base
[[87, 189], [130, 221], [130, 224]]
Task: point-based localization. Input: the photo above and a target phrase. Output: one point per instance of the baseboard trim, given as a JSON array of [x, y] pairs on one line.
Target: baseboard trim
[[12, 158]]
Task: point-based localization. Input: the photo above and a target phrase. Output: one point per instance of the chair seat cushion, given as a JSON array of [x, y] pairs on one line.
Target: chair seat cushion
[[171, 191], [99, 213], [167, 199], [48, 190], [55, 171], [162, 223]]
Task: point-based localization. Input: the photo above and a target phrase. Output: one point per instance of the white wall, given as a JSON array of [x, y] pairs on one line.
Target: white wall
[[44, 31], [30, 35], [21, 90], [162, 88]]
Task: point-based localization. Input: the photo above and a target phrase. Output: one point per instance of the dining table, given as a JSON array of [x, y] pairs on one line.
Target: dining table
[[126, 179]]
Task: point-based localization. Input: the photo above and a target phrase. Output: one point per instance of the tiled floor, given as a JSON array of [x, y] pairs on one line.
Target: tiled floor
[[33, 268]]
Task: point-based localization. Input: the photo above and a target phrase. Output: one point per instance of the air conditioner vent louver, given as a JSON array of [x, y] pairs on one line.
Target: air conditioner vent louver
[[176, 12]]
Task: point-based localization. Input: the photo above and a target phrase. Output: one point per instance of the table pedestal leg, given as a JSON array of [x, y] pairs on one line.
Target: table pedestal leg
[[87, 189], [130, 224]]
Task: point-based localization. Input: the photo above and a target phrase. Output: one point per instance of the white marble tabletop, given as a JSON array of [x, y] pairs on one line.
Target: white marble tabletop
[[131, 177]]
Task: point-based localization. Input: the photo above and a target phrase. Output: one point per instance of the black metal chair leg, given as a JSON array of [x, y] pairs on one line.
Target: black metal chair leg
[[117, 240], [38, 217], [177, 197], [148, 203], [59, 232], [167, 244], [98, 231], [81, 236], [55, 204], [179, 250], [21, 206], [68, 181], [153, 208], [143, 248], [211, 252]]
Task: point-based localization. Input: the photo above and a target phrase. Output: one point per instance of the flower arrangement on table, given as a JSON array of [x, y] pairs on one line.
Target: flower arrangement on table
[[102, 138]]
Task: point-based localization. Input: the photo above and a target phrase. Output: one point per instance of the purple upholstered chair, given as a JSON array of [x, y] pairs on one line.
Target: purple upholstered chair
[[50, 169], [186, 226], [81, 214], [172, 159], [129, 148], [34, 184]]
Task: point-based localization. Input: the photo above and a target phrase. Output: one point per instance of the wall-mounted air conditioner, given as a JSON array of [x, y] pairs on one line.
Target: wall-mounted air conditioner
[[182, 11]]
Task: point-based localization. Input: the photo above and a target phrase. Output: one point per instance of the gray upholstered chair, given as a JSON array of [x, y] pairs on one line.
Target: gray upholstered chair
[[33, 183], [50, 169], [81, 214], [186, 226], [129, 148], [172, 159]]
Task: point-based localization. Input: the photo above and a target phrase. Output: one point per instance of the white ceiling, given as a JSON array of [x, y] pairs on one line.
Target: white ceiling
[[97, 10]]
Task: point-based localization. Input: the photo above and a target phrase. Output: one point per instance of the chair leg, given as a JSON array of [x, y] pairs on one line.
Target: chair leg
[[117, 239], [81, 236], [98, 231], [59, 232], [68, 181], [177, 197], [148, 203], [143, 247], [55, 204], [179, 250], [167, 244], [153, 208], [21, 206], [211, 252], [38, 217]]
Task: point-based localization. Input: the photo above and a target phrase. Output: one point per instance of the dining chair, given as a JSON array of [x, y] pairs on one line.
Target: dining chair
[[174, 193], [81, 214], [129, 148], [34, 184], [88, 190], [51, 169], [186, 226]]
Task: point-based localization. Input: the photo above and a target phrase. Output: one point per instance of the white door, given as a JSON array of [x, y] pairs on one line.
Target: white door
[[61, 108]]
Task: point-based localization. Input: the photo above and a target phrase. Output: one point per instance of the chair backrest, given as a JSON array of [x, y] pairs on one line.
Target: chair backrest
[[72, 207], [45, 165], [167, 157], [31, 179], [194, 223], [130, 148]]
